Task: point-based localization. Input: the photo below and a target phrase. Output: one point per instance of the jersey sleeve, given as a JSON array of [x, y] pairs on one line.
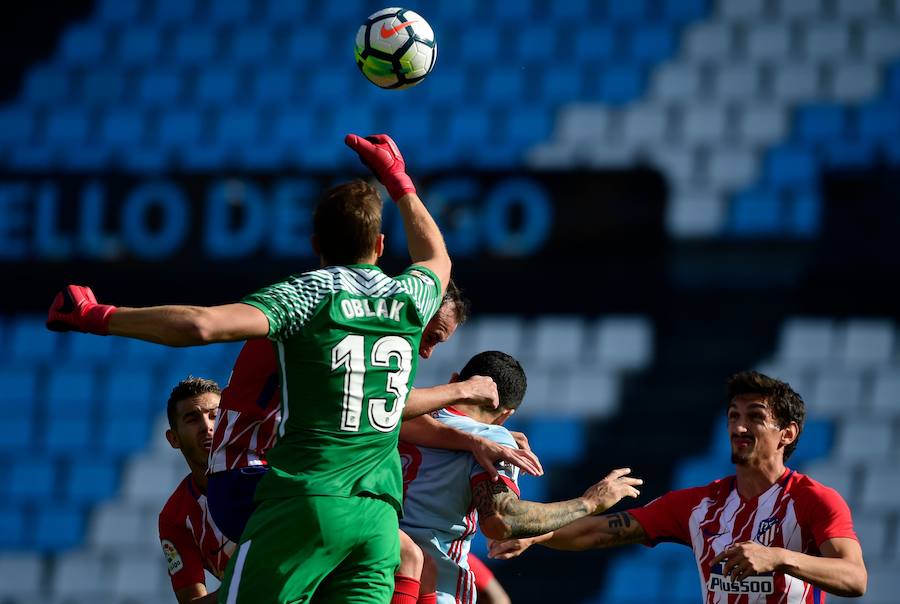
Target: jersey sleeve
[[183, 557], [827, 514], [425, 289], [508, 472], [666, 518], [290, 305]]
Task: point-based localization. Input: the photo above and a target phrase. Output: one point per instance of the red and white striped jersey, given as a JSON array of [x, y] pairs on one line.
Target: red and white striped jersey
[[249, 411], [190, 539], [796, 513]]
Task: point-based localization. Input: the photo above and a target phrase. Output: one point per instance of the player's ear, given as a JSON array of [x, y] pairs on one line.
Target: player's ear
[[790, 433], [504, 415], [173, 439], [379, 246]]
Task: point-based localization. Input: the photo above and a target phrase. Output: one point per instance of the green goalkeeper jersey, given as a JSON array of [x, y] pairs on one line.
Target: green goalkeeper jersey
[[347, 339]]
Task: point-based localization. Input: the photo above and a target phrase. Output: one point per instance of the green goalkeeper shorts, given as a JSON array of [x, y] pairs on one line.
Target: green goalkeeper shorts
[[315, 549]]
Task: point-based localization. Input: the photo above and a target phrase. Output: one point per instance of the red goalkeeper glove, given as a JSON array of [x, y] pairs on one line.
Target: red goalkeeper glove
[[381, 155], [75, 309]]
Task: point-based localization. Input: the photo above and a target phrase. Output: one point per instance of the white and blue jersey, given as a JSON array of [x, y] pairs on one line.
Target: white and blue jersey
[[438, 512]]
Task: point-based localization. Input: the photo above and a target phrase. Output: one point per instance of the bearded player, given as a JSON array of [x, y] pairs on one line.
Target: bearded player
[[767, 534]]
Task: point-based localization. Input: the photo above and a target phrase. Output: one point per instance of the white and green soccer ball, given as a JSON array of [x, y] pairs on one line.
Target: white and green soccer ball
[[395, 48]]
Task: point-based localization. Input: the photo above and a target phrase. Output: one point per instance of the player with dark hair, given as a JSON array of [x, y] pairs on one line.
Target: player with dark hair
[[346, 338], [190, 539], [448, 494], [767, 532]]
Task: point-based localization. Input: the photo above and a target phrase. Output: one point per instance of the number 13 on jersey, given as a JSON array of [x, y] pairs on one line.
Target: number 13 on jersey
[[350, 355]]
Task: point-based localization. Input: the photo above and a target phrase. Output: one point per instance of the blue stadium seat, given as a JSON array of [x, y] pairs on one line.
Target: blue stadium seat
[[351, 118], [293, 127], [879, 121], [534, 488], [325, 86], [536, 43], [699, 471], [91, 480], [123, 435], [496, 156], [510, 12], [756, 212], [143, 354], [273, 85], [159, 87], [86, 348], [526, 126], [628, 11], [557, 440], [893, 82], [415, 123], [847, 154], [237, 126], [816, 441], [233, 11], [16, 428], [305, 46], [652, 43], [46, 85], [459, 10], [31, 340], [787, 165], [139, 45], [130, 390], [180, 127], [348, 11], [13, 528], [620, 83], [20, 387], [594, 43], [31, 479], [504, 85], [173, 11], [571, 10], [58, 528], [78, 157], [450, 84], [261, 157], [201, 157], [195, 46], [68, 125], [562, 83], [124, 127], [103, 86], [83, 45], [66, 435], [251, 46], [144, 160], [37, 158], [217, 85], [17, 125], [283, 11], [820, 123], [478, 43], [804, 214], [70, 390], [633, 579], [468, 124], [118, 11], [683, 11]]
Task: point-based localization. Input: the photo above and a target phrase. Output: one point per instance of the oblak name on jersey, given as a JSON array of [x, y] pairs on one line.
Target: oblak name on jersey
[[383, 309]]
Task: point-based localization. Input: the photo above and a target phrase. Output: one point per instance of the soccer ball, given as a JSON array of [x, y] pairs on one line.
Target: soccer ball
[[391, 54]]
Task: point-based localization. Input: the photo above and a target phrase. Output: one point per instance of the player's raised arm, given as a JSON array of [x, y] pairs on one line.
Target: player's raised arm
[[76, 309], [502, 515], [426, 244]]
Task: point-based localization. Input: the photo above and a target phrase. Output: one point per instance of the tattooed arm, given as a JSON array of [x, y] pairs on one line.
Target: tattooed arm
[[593, 532], [502, 515]]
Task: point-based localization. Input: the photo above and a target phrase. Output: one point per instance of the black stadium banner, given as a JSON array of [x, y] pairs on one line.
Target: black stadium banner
[[211, 238]]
